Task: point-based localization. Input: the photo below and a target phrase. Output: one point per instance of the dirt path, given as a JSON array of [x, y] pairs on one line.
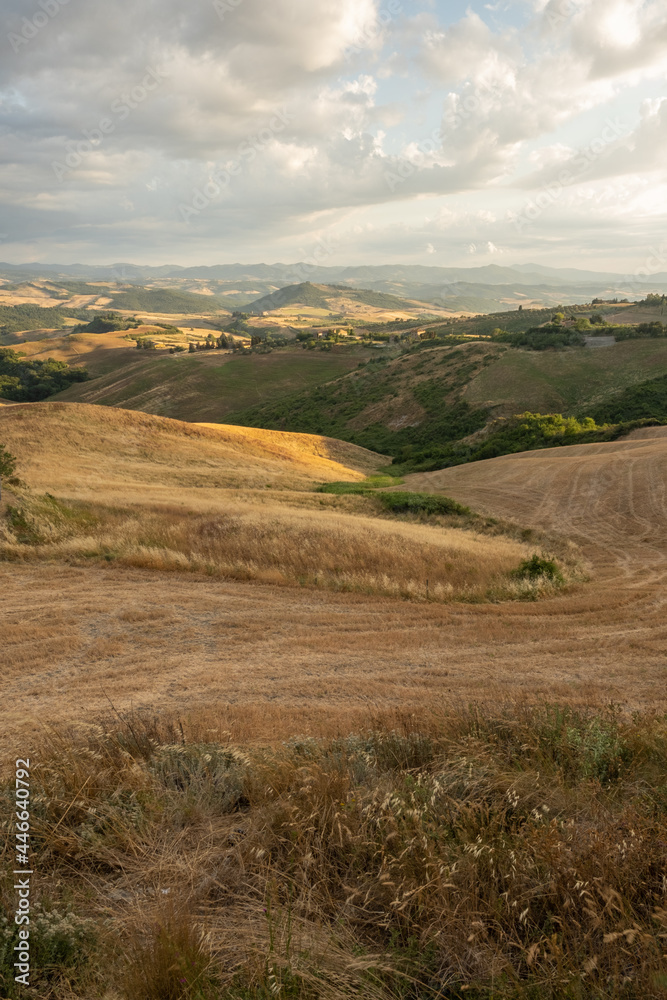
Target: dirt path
[[265, 659]]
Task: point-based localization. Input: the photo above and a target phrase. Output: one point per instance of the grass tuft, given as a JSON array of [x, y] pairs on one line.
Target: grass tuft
[[507, 853]]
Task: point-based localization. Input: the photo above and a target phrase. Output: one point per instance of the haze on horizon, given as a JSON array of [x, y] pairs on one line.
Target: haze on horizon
[[347, 132]]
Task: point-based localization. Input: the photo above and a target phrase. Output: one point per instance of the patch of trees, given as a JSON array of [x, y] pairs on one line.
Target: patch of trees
[[222, 342], [524, 432], [552, 336], [24, 380], [645, 401], [638, 332], [108, 322], [29, 317], [165, 300]]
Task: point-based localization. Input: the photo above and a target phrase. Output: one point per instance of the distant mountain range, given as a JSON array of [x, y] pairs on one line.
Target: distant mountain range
[[475, 289]]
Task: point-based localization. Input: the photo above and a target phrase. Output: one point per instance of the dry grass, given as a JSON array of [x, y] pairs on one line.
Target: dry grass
[[494, 853], [126, 456], [275, 544], [288, 834], [79, 450]]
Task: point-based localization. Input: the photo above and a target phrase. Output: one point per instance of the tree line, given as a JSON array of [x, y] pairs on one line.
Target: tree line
[[27, 380]]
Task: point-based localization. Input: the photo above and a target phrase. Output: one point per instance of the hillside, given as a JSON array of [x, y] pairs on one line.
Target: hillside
[[490, 286], [102, 452], [165, 300], [216, 683], [440, 394], [207, 385], [101, 486], [601, 495], [328, 297], [174, 639]]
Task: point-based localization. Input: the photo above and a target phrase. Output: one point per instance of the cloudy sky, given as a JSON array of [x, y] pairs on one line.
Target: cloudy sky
[[345, 131]]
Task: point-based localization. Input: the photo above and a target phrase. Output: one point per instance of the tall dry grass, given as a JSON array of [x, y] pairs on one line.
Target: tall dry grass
[[277, 544], [506, 853]]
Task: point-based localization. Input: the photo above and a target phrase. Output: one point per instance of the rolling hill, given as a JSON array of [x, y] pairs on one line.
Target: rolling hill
[[436, 395], [208, 385], [167, 639], [601, 495], [233, 503], [165, 300], [328, 297], [477, 289], [100, 452]]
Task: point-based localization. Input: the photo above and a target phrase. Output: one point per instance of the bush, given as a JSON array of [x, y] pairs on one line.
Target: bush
[[341, 489], [537, 566], [401, 502], [420, 503]]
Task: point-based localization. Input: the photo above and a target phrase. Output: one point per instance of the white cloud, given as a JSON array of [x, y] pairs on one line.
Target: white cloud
[[321, 112]]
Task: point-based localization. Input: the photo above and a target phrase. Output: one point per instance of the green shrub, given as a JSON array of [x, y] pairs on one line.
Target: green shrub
[[24, 527], [401, 502], [585, 747], [420, 503], [537, 566], [61, 941], [340, 489]]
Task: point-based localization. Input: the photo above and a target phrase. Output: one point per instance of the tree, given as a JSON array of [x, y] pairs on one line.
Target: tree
[[191, 348], [7, 467]]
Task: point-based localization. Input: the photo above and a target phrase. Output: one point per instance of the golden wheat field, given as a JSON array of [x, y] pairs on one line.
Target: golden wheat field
[[200, 569]]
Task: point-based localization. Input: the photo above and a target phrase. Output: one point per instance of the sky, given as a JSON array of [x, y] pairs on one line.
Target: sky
[[334, 131]]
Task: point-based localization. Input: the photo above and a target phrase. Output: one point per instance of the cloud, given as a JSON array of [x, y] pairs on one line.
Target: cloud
[[313, 114]]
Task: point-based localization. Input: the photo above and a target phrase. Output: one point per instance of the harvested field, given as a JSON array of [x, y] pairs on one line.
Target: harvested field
[[82, 451], [273, 659]]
